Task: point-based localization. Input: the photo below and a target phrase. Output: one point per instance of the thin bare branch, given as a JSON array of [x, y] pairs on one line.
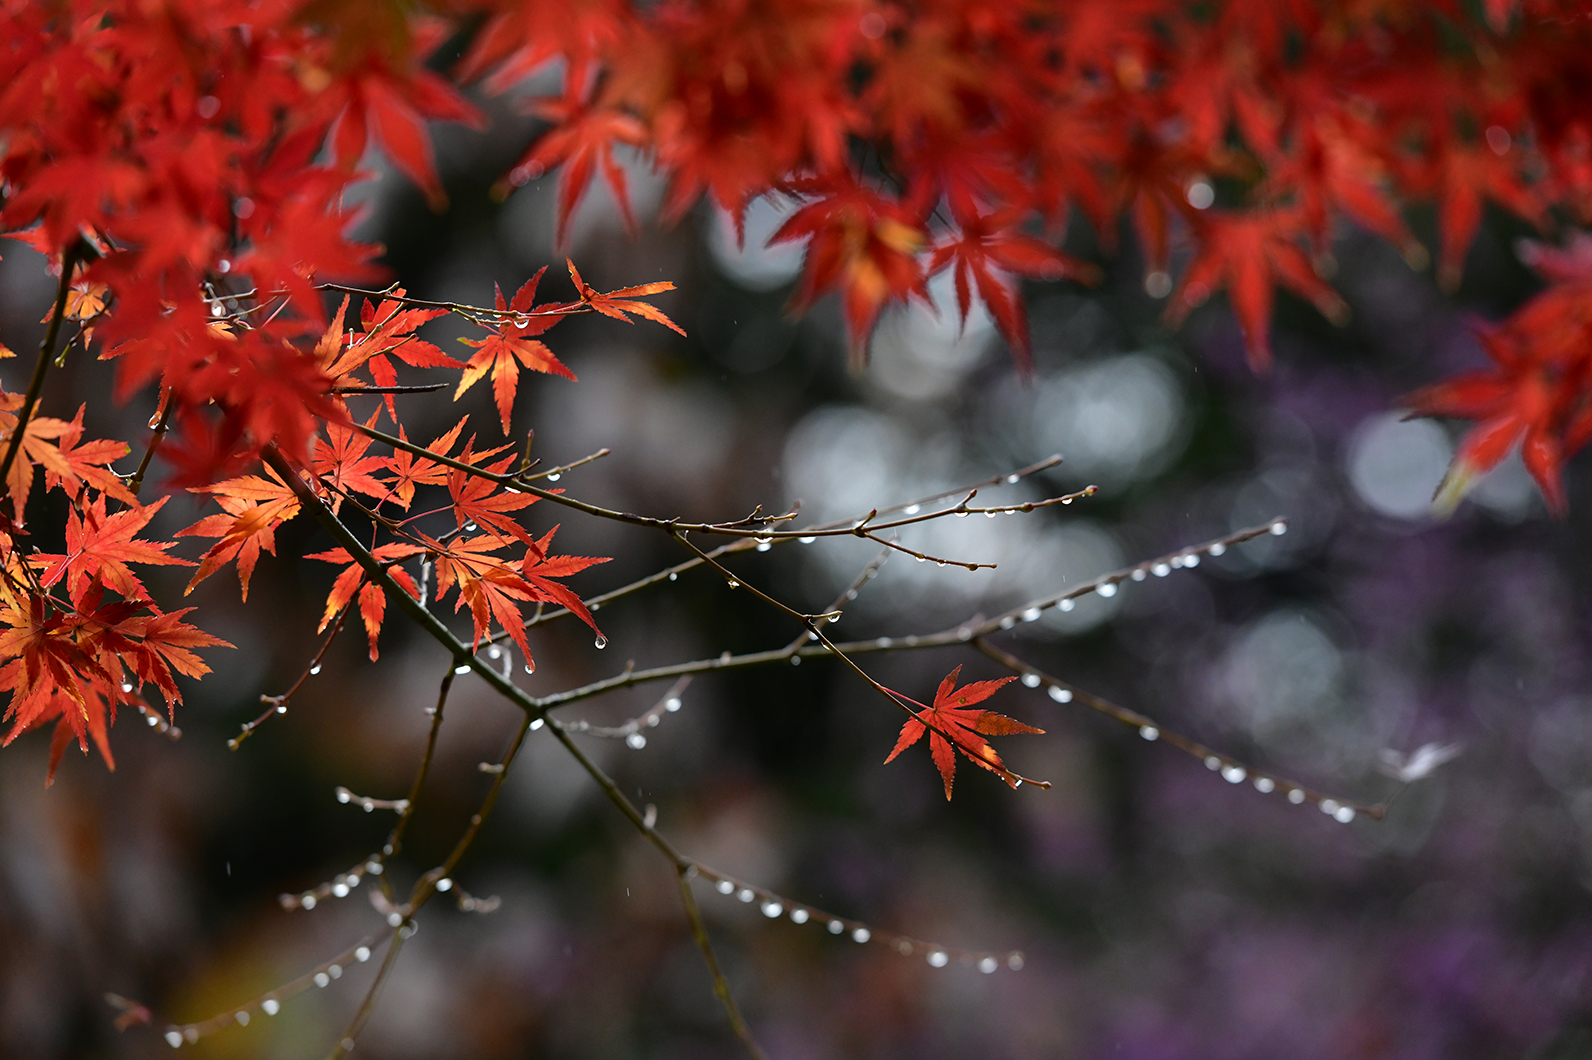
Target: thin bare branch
[[1231, 769]]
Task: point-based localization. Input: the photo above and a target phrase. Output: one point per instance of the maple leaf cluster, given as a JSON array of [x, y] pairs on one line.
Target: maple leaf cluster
[[179, 143], [183, 167]]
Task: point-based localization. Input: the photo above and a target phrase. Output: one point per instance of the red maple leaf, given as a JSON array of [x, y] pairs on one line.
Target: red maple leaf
[[988, 251], [100, 546], [617, 304], [503, 352], [581, 138], [372, 598], [1248, 253], [410, 471], [859, 241], [954, 725]]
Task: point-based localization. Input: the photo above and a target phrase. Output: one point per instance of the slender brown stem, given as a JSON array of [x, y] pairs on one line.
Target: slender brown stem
[[1233, 770], [41, 367], [368, 1005], [167, 405], [278, 704], [395, 840], [721, 986]]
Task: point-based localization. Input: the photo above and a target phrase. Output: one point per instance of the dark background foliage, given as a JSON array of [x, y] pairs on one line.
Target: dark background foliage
[[1163, 913]]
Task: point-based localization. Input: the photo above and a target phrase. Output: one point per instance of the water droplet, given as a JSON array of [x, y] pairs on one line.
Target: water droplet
[[862, 934], [807, 540], [1139, 575], [270, 1006], [1013, 478], [153, 721], [1234, 774], [1345, 814], [281, 708], [1296, 796], [1015, 962], [554, 477], [1161, 570], [340, 890], [635, 741], [494, 652], [1068, 604], [1329, 806], [733, 584], [1107, 589], [537, 724], [772, 909], [1212, 763], [322, 979], [1066, 500], [795, 660], [938, 959], [884, 642], [1032, 614], [1191, 561], [764, 546], [798, 916], [987, 965], [469, 528], [1008, 622], [673, 576], [394, 919], [1217, 549], [362, 954], [1177, 562], [1265, 785], [912, 509], [127, 686], [991, 515], [462, 669], [746, 894], [724, 886], [315, 669], [961, 515], [940, 562], [600, 643], [307, 901], [836, 927], [336, 971], [1060, 695], [1150, 732], [1279, 529], [1030, 680], [920, 559], [174, 1039]]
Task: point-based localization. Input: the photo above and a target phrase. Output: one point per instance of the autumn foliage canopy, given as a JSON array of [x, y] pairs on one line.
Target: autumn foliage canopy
[[184, 165]]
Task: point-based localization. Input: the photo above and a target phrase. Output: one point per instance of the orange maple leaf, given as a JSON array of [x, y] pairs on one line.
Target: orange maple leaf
[[101, 546], [254, 507], [372, 598], [953, 725], [510, 346]]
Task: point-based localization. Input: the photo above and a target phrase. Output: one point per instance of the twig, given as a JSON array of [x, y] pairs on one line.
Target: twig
[[69, 262], [1231, 769], [278, 704]]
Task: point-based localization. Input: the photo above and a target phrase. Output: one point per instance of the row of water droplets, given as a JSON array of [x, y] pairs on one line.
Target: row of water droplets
[[774, 906]]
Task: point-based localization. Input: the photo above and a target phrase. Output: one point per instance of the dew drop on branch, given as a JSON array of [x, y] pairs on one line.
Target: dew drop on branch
[[600, 643]]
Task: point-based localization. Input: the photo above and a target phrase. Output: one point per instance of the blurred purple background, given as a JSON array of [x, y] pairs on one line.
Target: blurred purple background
[[1164, 914]]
